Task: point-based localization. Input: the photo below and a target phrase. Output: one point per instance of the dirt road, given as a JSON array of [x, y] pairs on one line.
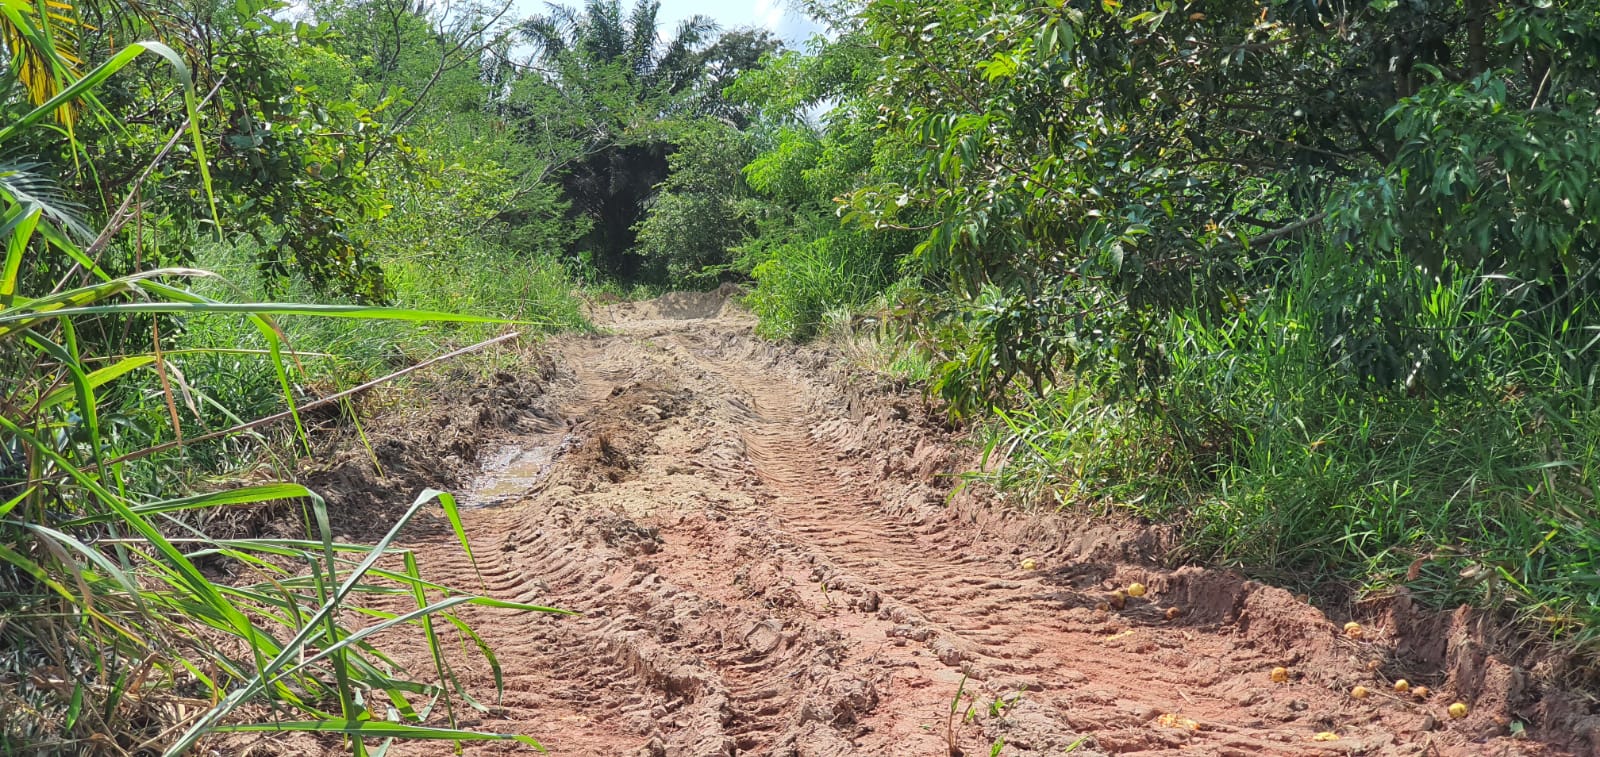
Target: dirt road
[[767, 561]]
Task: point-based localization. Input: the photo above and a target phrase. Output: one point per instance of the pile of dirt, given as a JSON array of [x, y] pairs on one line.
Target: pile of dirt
[[672, 306]]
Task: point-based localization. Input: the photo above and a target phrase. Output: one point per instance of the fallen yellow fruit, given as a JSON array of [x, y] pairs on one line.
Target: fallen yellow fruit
[[1136, 589], [1402, 686], [1458, 710], [1325, 736], [1029, 564], [1280, 675], [1170, 720], [1359, 692], [1353, 630]]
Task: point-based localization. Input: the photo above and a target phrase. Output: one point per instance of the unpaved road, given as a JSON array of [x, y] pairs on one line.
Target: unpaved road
[[767, 561]]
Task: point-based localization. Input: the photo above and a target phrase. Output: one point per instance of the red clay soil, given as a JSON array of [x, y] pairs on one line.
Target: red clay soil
[[768, 561]]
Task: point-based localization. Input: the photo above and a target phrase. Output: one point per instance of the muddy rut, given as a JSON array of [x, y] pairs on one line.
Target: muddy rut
[[767, 561]]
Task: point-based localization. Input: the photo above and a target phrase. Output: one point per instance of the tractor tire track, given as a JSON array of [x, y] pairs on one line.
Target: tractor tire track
[[767, 561]]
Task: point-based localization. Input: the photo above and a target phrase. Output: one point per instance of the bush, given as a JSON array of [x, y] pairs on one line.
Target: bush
[[1309, 474], [798, 280], [116, 617]]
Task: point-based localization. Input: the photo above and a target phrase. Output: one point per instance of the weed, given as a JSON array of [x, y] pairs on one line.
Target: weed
[[1271, 459], [959, 717], [126, 626]]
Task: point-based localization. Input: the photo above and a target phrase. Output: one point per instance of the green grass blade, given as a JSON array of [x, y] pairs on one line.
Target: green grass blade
[[294, 651], [376, 729], [97, 378], [246, 495], [17, 228]]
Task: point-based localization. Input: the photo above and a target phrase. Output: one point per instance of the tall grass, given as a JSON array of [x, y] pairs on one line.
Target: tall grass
[[1273, 455], [480, 278], [125, 628], [799, 278]]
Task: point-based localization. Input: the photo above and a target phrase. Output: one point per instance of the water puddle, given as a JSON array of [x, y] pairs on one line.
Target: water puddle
[[511, 472]]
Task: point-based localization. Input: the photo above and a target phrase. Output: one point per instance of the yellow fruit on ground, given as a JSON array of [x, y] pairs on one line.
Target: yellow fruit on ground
[[1353, 630], [1402, 686], [1280, 675], [1325, 736], [1029, 564], [1136, 589], [1171, 720], [1458, 710], [1359, 692]]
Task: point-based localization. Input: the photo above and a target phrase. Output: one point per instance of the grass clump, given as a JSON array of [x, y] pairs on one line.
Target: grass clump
[[124, 626], [1272, 454]]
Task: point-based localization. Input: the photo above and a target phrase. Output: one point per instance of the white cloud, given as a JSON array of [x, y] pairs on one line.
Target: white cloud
[[769, 13]]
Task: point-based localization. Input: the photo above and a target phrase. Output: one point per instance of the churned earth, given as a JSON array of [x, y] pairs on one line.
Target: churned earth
[[768, 560]]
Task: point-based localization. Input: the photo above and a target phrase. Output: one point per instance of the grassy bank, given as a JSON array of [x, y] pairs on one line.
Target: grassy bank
[[1270, 456]]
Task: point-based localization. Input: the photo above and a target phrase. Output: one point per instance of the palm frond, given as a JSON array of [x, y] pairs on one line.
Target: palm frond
[[643, 35], [680, 65], [22, 184], [603, 37], [39, 44]]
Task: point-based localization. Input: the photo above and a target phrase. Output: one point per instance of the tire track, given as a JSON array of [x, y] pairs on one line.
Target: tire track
[[766, 566]]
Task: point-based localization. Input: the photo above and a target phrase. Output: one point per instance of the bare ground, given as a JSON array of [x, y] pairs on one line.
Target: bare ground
[[768, 560]]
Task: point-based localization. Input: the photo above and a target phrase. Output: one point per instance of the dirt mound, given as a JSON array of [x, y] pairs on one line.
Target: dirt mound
[[768, 560], [672, 306]]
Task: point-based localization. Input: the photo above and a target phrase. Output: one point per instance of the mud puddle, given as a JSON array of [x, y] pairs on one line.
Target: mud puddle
[[513, 471], [768, 561]]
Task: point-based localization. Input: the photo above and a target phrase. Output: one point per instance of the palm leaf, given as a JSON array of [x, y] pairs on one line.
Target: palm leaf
[[643, 33], [22, 184], [39, 38]]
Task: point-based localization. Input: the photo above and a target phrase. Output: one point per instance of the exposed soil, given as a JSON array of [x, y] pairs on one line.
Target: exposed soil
[[768, 560]]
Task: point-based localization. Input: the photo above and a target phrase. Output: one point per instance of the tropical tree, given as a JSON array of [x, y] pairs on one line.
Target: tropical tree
[[607, 77], [601, 37], [1098, 164]]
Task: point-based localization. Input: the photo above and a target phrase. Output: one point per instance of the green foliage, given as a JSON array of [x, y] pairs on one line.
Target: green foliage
[[1312, 282], [804, 260], [294, 170], [611, 78], [703, 210], [1103, 163], [1302, 474], [474, 277], [799, 280], [104, 582]]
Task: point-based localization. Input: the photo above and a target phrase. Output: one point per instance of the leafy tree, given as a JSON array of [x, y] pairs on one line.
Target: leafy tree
[[1100, 163], [703, 209], [803, 259], [608, 78]]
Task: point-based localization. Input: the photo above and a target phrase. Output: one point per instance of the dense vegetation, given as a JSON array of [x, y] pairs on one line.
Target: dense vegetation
[[215, 213], [1312, 282]]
